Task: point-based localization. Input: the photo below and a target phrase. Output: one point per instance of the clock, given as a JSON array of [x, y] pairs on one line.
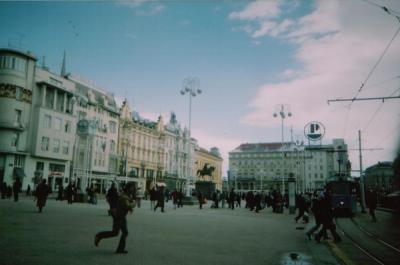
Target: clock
[[83, 126]]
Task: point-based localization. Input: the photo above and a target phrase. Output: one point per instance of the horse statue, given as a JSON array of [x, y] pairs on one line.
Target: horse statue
[[207, 170]]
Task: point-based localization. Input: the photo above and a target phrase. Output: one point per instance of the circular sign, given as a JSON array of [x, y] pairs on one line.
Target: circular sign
[[314, 131]]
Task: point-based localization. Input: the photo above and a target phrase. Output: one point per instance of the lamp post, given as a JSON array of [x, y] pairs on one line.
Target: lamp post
[[191, 88], [283, 115]]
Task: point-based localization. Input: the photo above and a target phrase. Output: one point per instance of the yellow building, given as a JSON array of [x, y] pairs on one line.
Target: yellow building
[[208, 167], [140, 147]]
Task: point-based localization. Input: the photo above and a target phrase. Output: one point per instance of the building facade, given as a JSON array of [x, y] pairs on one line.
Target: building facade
[[176, 155], [141, 148], [264, 166], [95, 154], [380, 176], [37, 124]]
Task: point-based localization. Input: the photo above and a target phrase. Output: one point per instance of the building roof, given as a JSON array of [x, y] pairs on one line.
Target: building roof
[[261, 147], [17, 52], [203, 150]]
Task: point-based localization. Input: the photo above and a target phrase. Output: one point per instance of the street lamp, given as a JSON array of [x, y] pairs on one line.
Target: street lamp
[[283, 115], [190, 87]]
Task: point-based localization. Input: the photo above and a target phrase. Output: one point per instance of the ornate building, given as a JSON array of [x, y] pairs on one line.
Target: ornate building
[[95, 154], [380, 176], [176, 150], [141, 148]]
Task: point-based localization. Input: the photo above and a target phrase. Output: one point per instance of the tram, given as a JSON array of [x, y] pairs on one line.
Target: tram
[[343, 194]]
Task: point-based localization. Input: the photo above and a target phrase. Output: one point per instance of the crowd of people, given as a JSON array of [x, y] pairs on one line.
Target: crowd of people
[[317, 204]]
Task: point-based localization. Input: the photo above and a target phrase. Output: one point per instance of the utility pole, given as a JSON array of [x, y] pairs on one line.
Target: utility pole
[[361, 175]]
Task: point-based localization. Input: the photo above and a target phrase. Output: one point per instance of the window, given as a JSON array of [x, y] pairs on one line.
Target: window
[[65, 148], [47, 122], [18, 93], [14, 140], [67, 127], [18, 161], [60, 101], [57, 124], [56, 168], [39, 166], [113, 126], [56, 145], [45, 143], [112, 147], [8, 62], [50, 94], [18, 114]]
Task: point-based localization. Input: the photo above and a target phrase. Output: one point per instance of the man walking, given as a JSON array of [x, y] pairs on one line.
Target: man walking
[[112, 199], [125, 204], [16, 188], [372, 201], [42, 191]]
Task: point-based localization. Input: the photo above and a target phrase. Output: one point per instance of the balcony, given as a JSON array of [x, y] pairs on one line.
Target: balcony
[[18, 126]]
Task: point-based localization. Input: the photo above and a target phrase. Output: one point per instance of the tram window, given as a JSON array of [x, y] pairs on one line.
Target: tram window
[[340, 189]]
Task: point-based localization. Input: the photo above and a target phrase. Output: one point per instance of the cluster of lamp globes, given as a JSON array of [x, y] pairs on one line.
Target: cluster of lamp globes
[[191, 87], [282, 114]]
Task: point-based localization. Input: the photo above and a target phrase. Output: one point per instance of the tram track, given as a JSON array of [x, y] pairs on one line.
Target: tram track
[[377, 250]]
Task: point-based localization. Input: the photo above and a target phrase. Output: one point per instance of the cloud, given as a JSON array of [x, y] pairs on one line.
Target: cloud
[[143, 7], [336, 45], [259, 9]]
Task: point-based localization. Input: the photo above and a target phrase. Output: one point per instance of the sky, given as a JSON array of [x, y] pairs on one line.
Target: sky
[[249, 56]]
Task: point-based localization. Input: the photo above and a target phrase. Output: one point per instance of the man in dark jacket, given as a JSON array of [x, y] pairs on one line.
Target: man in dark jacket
[[17, 188], [327, 220], [125, 204], [316, 208], [232, 196], [372, 201], [160, 199], [42, 191], [112, 199], [301, 204]]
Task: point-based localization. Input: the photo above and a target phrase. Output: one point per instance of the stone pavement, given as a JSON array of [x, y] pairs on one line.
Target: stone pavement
[[63, 234]]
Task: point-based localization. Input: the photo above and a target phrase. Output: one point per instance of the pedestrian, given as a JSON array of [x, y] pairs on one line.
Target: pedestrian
[[124, 205], [301, 204], [70, 192], [3, 190], [223, 199], [112, 199], [60, 192], [327, 220], [28, 190], [174, 198], [42, 191], [257, 202], [153, 197], [232, 196], [17, 185], [200, 199], [316, 209], [180, 198], [160, 199], [372, 201], [9, 192]]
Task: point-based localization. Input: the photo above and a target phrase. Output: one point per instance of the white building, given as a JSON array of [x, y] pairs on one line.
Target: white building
[[37, 125], [264, 166], [95, 156]]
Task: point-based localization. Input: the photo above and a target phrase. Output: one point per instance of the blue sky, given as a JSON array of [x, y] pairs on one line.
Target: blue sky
[[250, 56]]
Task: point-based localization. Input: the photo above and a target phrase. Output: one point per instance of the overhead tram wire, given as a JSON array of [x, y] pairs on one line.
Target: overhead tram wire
[[388, 10], [378, 109], [377, 63]]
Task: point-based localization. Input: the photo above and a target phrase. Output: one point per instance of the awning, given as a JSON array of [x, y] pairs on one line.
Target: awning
[[19, 172]]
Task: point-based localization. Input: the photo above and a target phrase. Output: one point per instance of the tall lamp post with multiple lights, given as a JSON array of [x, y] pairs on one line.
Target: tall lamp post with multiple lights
[[191, 87], [283, 112]]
